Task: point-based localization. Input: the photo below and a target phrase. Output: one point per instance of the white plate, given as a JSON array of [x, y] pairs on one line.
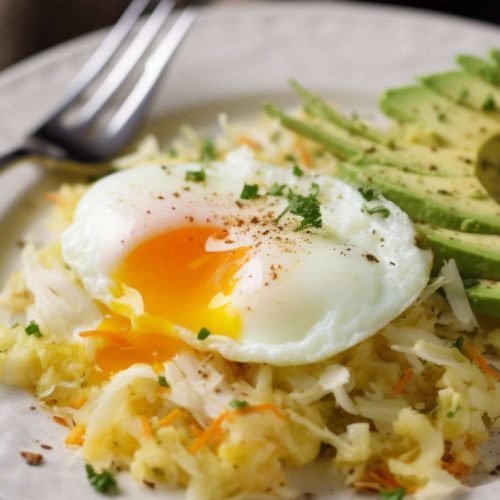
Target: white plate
[[235, 57]]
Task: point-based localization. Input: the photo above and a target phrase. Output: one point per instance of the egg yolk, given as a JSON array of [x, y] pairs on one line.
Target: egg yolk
[[123, 346], [180, 281]]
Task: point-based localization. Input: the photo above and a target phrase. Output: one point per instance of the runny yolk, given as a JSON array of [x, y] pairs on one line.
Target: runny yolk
[[182, 282], [124, 346]]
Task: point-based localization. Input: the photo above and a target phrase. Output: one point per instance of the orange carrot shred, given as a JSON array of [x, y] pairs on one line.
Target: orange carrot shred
[[146, 426], [60, 421], [457, 469], [304, 156], [480, 361], [50, 196], [76, 404], [248, 141], [262, 407], [403, 382], [75, 437], [211, 430], [469, 443], [170, 417]]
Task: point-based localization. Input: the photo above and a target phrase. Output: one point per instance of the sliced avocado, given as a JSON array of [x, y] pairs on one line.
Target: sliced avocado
[[459, 203], [402, 155], [476, 255], [455, 125], [466, 89], [477, 66], [485, 297]]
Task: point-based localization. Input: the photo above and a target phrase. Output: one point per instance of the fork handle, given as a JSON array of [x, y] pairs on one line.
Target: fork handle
[[8, 158]]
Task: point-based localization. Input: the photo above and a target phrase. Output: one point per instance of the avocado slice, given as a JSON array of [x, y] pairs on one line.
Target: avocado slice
[[466, 89], [456, 126], [485, 297], [361, 151], [479, 67], [459, 203], [476, 255]]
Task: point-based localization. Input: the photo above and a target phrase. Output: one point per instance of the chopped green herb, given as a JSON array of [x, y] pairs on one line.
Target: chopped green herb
[[207, 152], [458, 343], [397, 494], [238, 404], [443, 192], [378, 210], [203, 334], [172, 152], [291, 158], [470, 282], [297, 171], [276, 189], [33, 329], [249, 192], [441, 117], [489, 104], [464, 93], [103, 482], [196, 175], [314, 189], [163, 381], [369, 193], [452, 413], [307, 207], [15, 325]]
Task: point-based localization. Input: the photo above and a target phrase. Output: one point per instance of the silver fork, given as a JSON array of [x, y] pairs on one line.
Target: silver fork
[[103, 127]]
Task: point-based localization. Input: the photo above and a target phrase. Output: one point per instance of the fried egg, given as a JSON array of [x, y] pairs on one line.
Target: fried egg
[[211, 257]]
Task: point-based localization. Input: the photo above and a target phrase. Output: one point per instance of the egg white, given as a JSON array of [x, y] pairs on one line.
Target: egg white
[[335, 285]]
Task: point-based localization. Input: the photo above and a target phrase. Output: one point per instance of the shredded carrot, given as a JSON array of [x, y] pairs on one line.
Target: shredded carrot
[[480, 361], [403, 382], [196, 430], [457, 469], [377, 479], [76, 404], [76, 435], [146, 426], [170, 417], [60, 421], [248, 141], [302, 153], [262, 407], [469, 443], [114, 337], [50, 196], [211, 430]]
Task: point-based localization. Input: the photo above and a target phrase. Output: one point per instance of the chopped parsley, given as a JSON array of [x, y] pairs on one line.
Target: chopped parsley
[[103, 482], [397, 494], [276, 189], [249, 192], [291, 158], [162, 381], [33, 329], [378, 210], [196, 175], [441, 117], [238, 404], [297, 171], [203, 334], [307, 207], [314, 189], [172, 152], [458, 343], [489, 104], [443, 192], [452, 413], [207, 152], [369, 193]]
